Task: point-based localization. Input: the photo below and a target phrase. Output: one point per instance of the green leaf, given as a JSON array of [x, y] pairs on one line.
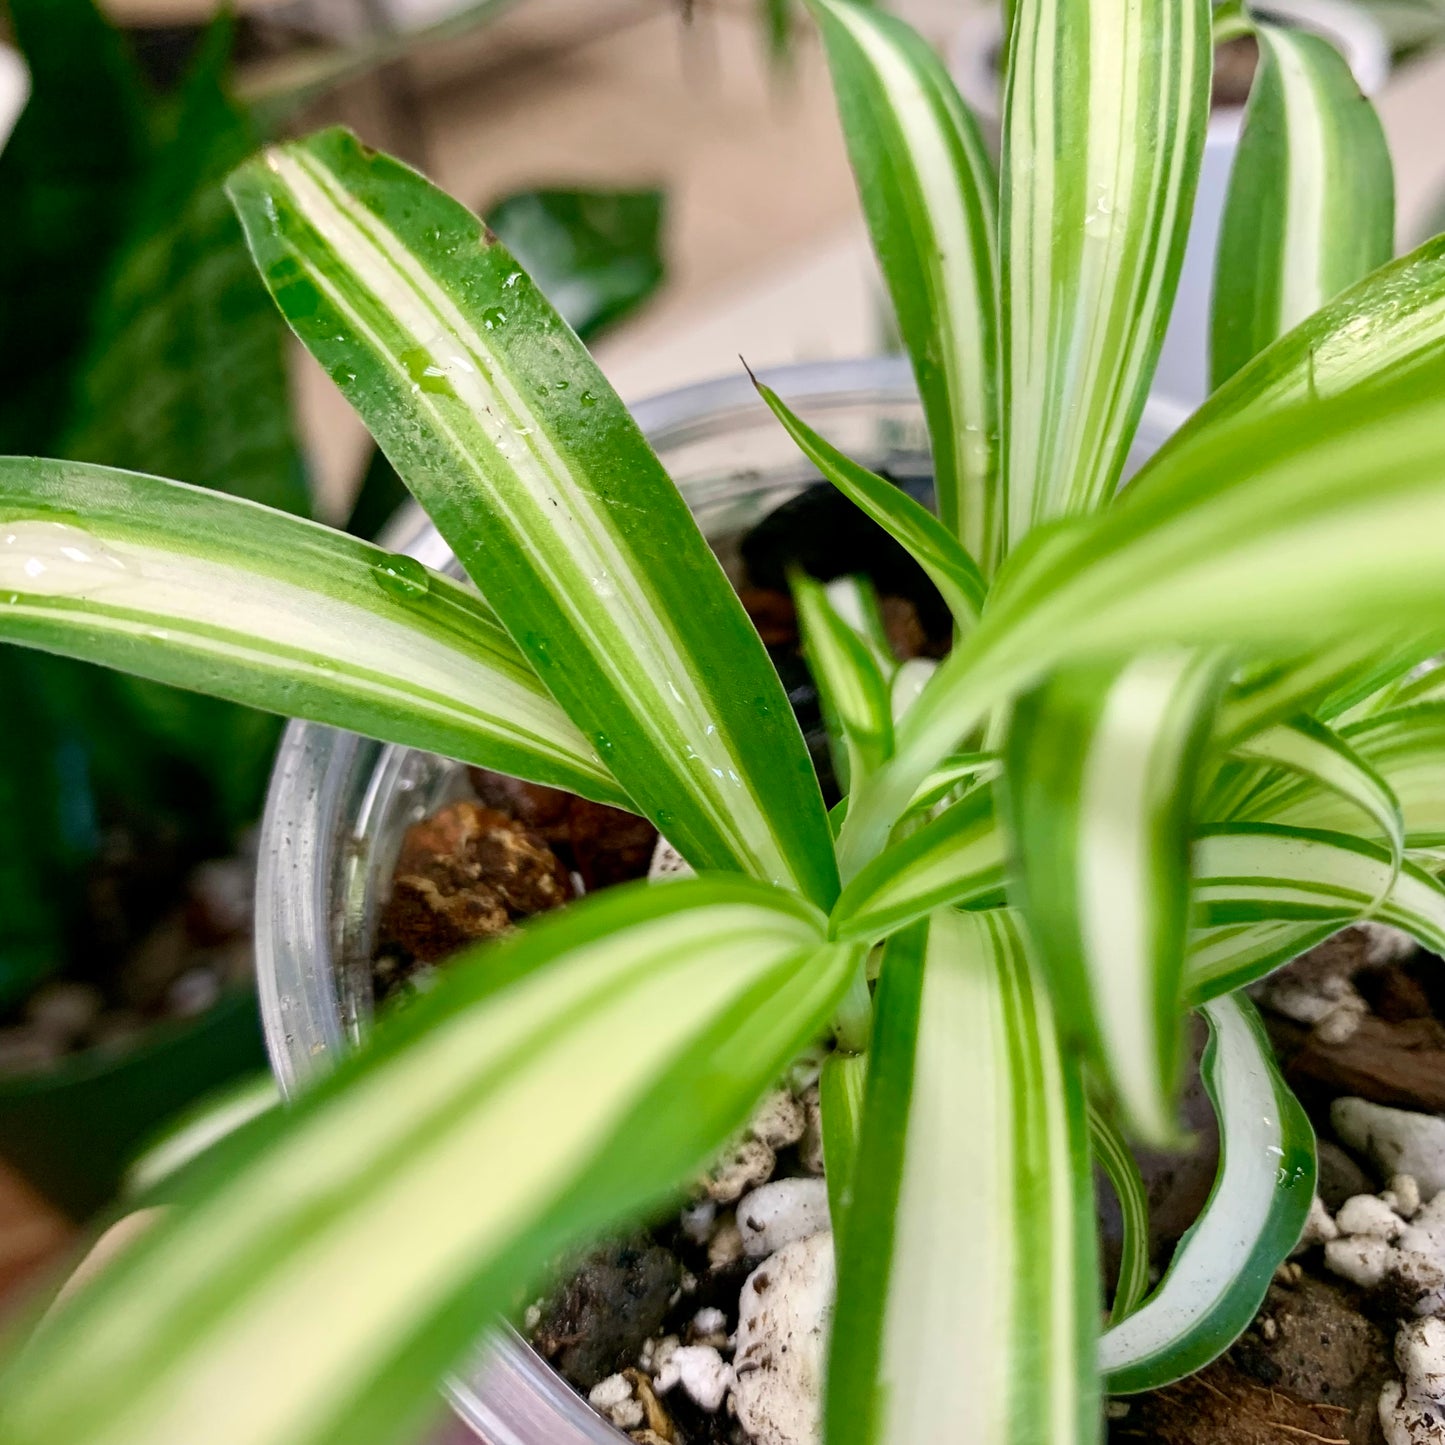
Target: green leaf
[[967, 1290], [959, 858], [1280, 533], [508, 434], [1331, 768], [1111, 1149], [1262, 1193], [840, 1093], [1230, 956], [929, 195], [1311, 202], [1253, 872], [914, 527], [326, 1266], [852, 691], [1104, 123], [1101, 772], [1404, 752], [1387, 329], [188, 587], [69, 175], [961, 771], [595, 255]]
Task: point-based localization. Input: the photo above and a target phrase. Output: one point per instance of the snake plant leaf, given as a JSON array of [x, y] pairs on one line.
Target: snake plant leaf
[[945, 560], [1251, 872], [958, 858], [1111, 1149], [1230, 956], [1275, 533], [507, 433], [1103, 132], [1311, 202], [1384, 329], [1101, 773], [1253, 1218], [548, 1089], [967, 1265], [929, 195], [189, 587], [852, 691], [1404, 749]]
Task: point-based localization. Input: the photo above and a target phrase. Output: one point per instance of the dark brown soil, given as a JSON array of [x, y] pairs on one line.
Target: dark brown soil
[[1310, 1368]]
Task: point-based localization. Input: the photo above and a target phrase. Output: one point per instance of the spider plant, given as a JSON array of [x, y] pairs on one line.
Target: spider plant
[[1178, 740]]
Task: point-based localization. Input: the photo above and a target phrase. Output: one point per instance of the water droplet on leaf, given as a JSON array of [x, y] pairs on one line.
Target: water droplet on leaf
[[402, 576]]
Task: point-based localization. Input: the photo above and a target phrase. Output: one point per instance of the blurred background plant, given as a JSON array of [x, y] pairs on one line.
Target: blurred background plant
[[138, 331]]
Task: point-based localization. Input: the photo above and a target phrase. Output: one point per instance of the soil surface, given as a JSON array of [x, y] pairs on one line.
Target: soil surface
[[156, 936]]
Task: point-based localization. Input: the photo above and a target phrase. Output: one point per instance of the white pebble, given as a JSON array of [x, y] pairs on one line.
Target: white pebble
[[710, 1321], [701, 1371], [1398, 1141], [810, 1151], [1366, 1214], [785, 1312], [1362, 1260], [1319, 1227], [1412, 1410], [780, 1212], [1403, 1195], [662, 1351]]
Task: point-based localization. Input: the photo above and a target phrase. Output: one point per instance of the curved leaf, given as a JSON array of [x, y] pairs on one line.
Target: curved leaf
[[327, 1265], [1322, 757], [1262, 1193], [505, 430], [1111, 1149], [929, 195], [1262, 872], [1311, 203], [189, 587], [1231, 956], [967, 1291]]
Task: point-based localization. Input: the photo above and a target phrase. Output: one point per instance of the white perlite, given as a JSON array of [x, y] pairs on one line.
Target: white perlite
[[786, 1311], [700, 1370], [1397, 1141], [613, 1397], [1412, 1410], [667, 863], [1377, 1244], [777, 1213]]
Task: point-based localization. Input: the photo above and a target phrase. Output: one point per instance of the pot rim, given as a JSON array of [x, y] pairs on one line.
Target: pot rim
[[513, 1397]]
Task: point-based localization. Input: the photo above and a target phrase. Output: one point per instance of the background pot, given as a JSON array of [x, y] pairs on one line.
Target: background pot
[[339, 804], [1183, 372], [73, 1130]]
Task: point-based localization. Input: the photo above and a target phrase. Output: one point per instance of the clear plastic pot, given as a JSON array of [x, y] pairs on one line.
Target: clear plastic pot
[[339, 804]]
